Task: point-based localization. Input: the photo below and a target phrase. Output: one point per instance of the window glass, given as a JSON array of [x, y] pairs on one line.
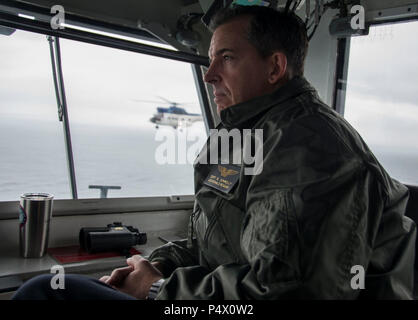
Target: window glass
[[32, 151], [382, 96], [114, 98]]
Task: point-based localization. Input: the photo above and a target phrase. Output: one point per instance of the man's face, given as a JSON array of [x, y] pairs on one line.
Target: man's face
[[237, 71]]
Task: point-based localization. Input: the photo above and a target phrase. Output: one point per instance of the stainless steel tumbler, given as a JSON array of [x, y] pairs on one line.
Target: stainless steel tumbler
[[35, 213]]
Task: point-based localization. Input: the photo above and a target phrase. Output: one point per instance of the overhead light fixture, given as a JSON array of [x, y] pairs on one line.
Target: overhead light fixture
[[26, 16], [185, 35], [117, 36], [341, 28]]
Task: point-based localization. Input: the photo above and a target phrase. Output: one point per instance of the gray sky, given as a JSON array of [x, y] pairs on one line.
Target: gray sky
[[102, 84], [382, 94]]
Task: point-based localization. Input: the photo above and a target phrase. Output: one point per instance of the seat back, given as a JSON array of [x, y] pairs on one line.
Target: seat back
[[412, 212]]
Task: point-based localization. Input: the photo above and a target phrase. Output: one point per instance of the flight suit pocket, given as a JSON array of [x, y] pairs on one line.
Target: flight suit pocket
[[222, 237], [231, 219], [202, 225], [267, 224]]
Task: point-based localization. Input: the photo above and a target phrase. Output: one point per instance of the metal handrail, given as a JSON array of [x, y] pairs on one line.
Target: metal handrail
[[62, 108]]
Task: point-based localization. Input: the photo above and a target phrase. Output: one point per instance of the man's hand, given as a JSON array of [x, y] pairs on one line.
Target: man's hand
[[139, 281], [117, 276], [135, 279]]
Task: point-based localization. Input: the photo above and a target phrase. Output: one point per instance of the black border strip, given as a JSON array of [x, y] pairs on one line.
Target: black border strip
[[203, 98], [340, 79]]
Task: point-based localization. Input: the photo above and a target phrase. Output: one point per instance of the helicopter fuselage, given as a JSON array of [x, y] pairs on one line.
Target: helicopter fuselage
[[175, 117]]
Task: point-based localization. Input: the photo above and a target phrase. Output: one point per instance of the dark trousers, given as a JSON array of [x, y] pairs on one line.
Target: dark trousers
[[77, 287]]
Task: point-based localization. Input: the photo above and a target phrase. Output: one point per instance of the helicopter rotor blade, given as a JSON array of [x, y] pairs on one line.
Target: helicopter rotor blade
[[166, 100], [149, 101], [176, 103]]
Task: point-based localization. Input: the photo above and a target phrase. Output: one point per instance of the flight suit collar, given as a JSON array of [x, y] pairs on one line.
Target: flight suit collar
[[237, 115]]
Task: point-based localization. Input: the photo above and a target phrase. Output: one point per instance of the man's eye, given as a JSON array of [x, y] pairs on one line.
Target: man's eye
[[226, 57]]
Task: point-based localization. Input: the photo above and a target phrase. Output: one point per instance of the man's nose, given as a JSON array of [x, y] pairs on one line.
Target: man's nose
[[211, 75]]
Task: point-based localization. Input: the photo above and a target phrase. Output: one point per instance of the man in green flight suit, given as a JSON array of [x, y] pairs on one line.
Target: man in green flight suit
[[320, 209]]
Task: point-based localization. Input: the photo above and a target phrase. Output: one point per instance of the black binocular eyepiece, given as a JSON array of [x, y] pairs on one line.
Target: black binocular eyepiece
[[114, 237]]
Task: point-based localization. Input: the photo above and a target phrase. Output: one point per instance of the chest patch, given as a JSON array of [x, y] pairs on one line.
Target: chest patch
[[223, 177]]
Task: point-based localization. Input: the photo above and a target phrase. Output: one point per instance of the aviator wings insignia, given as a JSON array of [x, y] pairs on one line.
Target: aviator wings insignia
[[226, 172]]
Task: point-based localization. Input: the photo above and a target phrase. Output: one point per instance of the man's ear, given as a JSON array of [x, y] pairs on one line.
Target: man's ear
[[278, 70]]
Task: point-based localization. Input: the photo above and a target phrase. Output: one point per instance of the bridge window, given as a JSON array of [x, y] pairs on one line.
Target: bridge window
[[32, 152], [114, 141], [382, 100], [111, 97]]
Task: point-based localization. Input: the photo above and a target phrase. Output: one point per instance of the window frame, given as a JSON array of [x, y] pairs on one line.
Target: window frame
[[73, 207], [341, 71], [343, 55], [9, 18]]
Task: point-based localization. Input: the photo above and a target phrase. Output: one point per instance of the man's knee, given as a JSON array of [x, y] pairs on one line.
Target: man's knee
[[35, 288], [75, 287]]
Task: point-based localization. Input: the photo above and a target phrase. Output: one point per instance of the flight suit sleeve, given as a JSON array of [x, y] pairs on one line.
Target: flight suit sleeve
[[390, 274], [312, 215], [175, 254]]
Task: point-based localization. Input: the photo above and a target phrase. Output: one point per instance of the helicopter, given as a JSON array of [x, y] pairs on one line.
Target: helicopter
[[173, 115]]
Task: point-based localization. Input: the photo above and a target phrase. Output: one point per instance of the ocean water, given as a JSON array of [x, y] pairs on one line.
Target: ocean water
[[33, 159]]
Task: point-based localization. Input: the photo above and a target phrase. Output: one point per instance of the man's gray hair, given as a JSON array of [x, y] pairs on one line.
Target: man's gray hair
[[271, 30]]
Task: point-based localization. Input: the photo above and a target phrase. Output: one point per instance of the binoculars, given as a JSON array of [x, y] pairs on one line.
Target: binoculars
[[114, 237]]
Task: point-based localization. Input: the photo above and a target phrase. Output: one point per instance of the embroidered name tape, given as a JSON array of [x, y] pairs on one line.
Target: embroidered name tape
[[223, 177]]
